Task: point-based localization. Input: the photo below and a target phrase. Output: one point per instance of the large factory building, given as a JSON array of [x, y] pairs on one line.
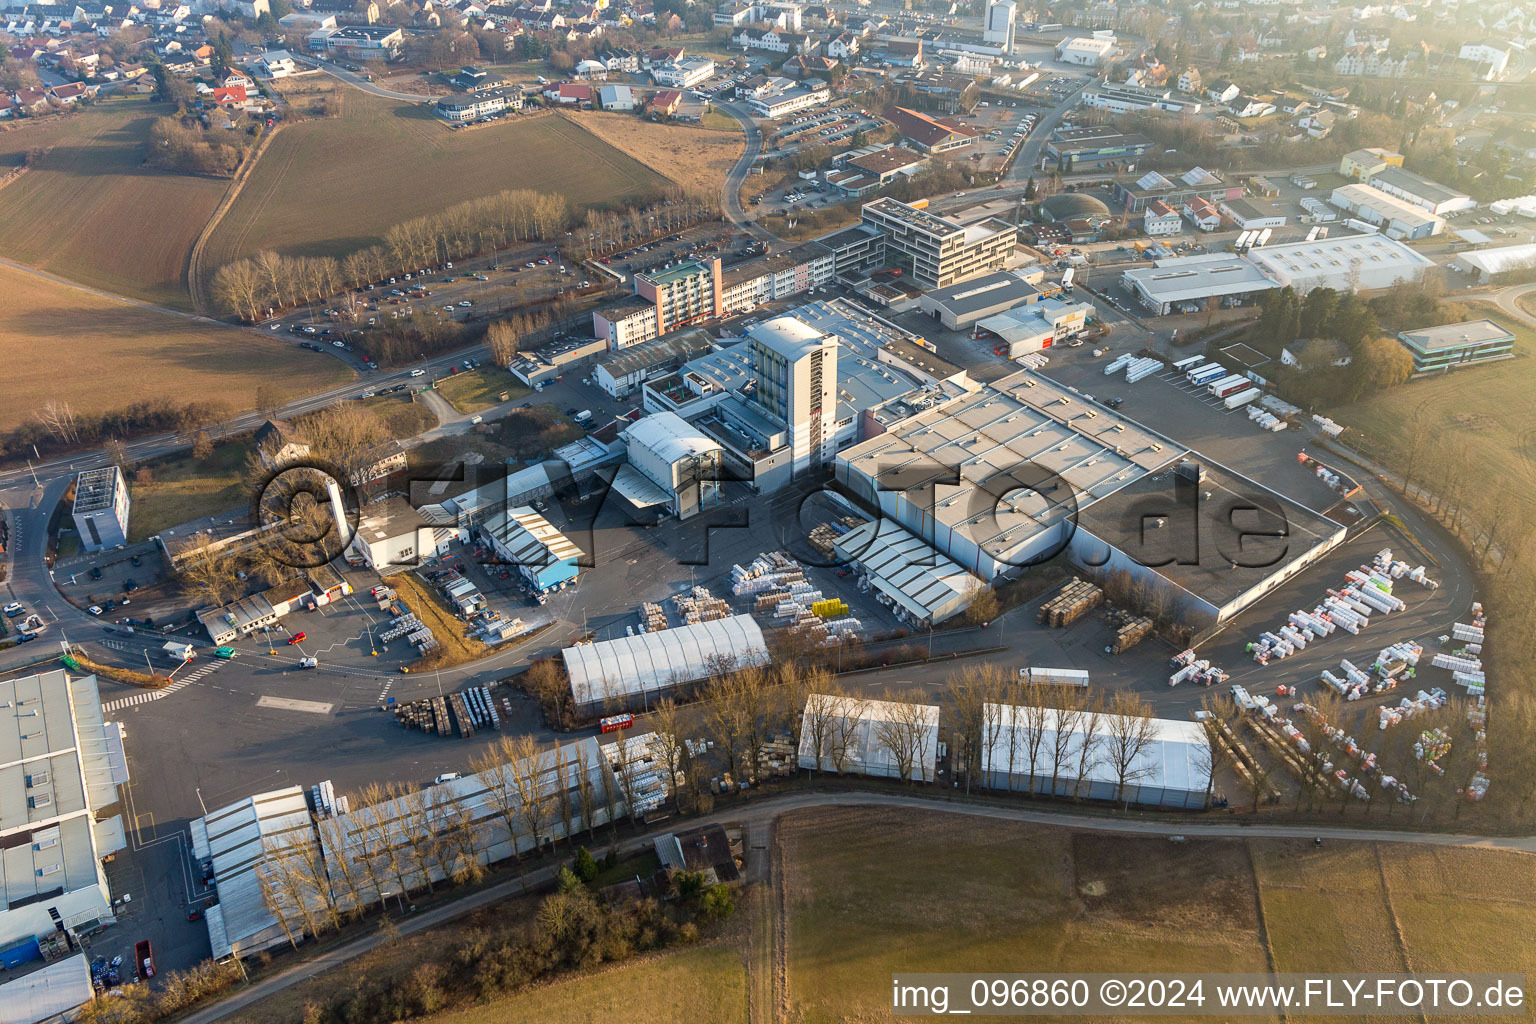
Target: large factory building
[[1022, 471]]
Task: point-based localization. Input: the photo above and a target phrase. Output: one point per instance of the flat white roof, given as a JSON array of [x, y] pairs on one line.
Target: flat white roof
[[631, 665], [1173, 760], [864, 737], [1369, 197], [788, 336], [240, 838], [1187, 278], [987, 465], [1471, 332], [48, 993], [1339, 257], [531, 538]]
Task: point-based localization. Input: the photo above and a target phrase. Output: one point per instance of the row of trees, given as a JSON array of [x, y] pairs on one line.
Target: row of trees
[[603, 232], [506, 337], [248, 287]]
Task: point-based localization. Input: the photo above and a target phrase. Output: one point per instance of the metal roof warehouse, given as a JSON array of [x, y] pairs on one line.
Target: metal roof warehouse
[[1166, 284], [924, 585]]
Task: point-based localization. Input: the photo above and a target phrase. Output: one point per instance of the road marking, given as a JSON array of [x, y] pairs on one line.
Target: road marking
[[313, 707], [150, 695]]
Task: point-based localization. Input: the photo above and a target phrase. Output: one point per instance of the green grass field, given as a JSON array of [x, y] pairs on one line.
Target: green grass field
[[100, 354], [473, 390], [330, 186], [182, 488], [91, 212], [1493, 431]]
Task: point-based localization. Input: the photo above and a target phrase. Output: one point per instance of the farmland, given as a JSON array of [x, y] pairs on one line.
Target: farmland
[[321, 188], [101, 354], [702, 985], [86, 191], [696, 158], [871, 892]]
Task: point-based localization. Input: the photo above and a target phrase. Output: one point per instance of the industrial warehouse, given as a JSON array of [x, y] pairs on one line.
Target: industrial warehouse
[[1022, 470], [1185, 284]]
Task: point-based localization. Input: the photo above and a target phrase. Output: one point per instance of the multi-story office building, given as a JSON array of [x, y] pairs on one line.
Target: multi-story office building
[[101, 508], [941, 251], [796, 368], [690, 290]]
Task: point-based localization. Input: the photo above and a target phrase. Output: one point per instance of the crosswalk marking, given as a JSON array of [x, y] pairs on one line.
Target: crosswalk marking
[[180, 683]]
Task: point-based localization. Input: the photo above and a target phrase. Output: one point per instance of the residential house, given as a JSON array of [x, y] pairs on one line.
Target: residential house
[[1161, 219], [1250, 106], [804, 67], [1189, 82], [621, 61], [1318, 125], [1202, 214], [1222, 91], [666, 102], [570, 94], [843, 46]]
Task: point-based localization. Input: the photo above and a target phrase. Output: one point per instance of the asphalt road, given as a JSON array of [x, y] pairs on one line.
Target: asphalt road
[[761, 815], [731, 196]]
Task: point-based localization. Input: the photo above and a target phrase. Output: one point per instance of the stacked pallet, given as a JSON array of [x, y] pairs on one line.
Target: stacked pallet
[[822, 538], [652, 618], [1071, 603], [699, 605], [461, 715], [1130, 630], [776, 758]]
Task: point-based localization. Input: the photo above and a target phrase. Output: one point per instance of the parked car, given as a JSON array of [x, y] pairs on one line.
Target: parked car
[[13, 609], [95, 572], [226, 653]]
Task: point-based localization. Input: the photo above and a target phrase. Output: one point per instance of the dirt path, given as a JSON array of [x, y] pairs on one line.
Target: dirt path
[[195, 257]]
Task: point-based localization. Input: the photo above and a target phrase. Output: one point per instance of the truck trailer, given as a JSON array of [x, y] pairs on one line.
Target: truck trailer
[[1055, 676], [1241, 398], [1229, 386]]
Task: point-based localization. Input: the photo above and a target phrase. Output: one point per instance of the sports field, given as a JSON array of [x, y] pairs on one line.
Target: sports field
[[88, 209], [100, 354], [696, 158], [334, 185]]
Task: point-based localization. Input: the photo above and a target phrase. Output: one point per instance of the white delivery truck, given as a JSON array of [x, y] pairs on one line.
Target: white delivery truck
[[583, 417], [178, 651]]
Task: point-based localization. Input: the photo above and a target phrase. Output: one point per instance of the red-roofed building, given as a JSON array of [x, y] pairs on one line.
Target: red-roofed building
[[931, 134], [666, 101], [230, 96], [570, 93], [1202, 214]]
